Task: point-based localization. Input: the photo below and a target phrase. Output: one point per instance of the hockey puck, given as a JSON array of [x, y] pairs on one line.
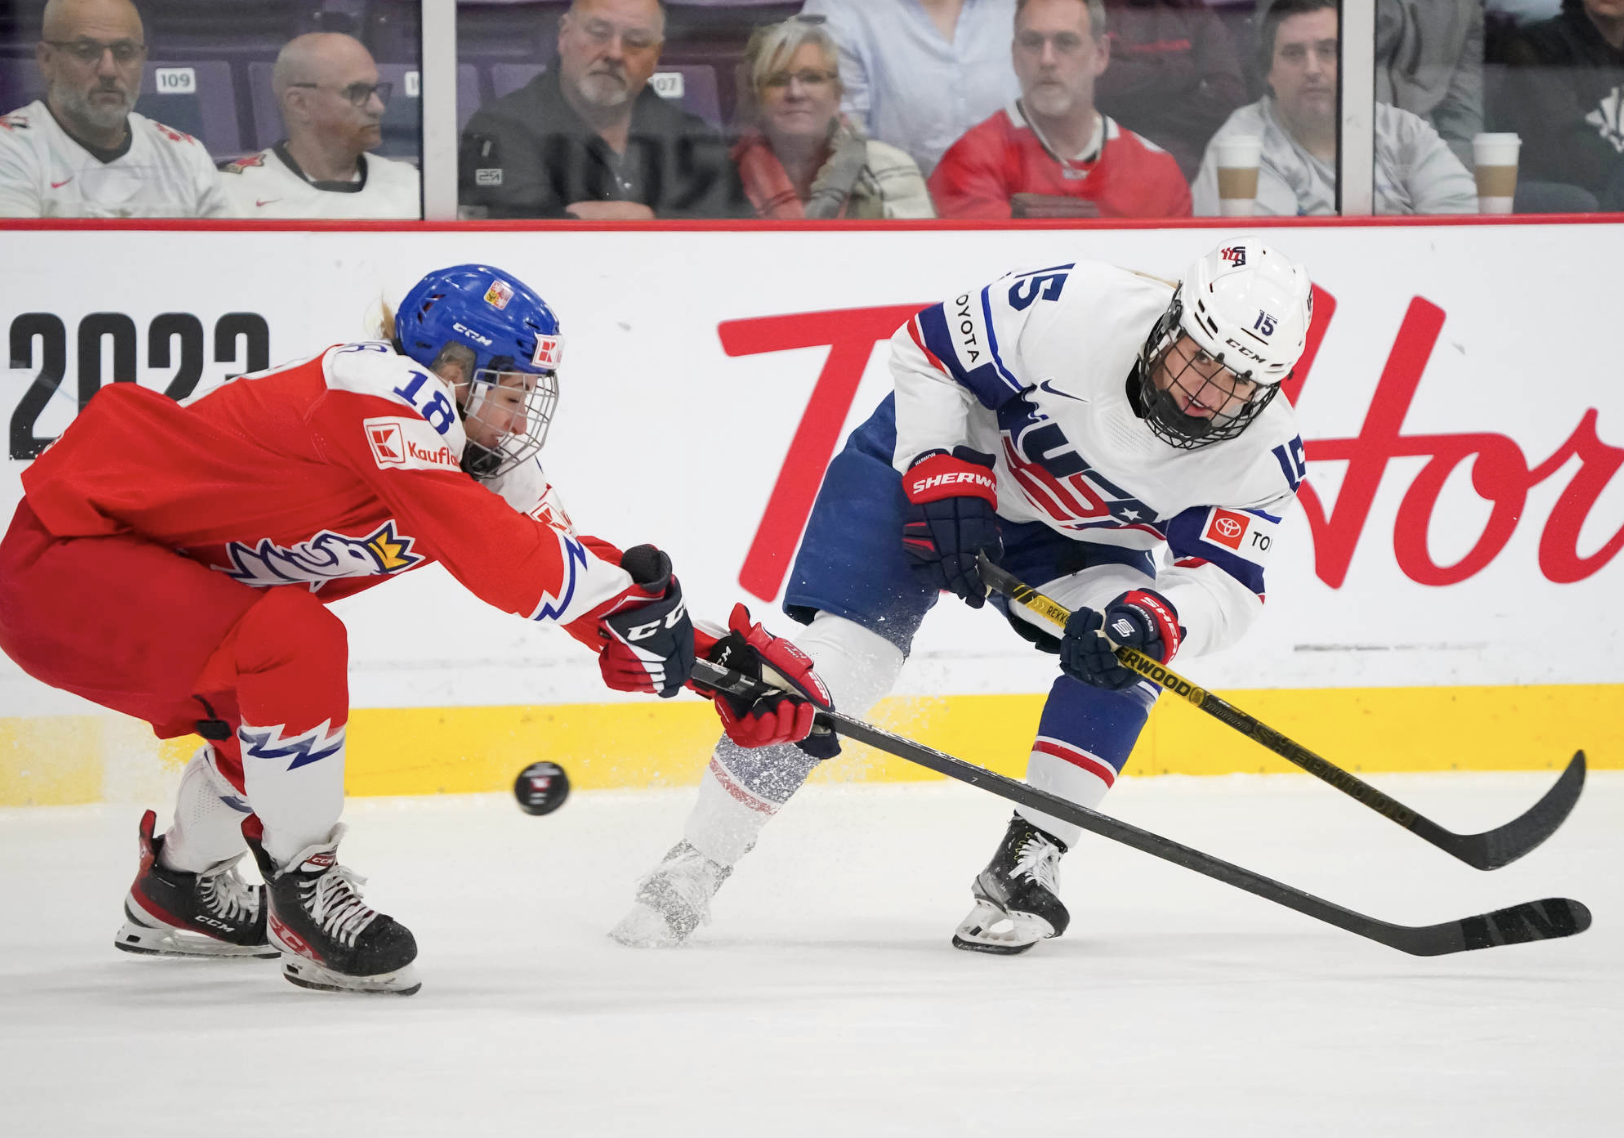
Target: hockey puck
[[541, 788]]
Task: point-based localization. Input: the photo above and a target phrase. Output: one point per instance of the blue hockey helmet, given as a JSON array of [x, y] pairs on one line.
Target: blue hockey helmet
[[508, 341]]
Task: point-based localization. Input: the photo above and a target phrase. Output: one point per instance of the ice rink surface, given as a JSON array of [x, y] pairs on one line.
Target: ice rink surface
[[824, 998]]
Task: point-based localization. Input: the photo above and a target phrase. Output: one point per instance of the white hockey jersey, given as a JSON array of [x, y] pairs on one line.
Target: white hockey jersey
[[270, 184], [1034, 369], [45, 172]]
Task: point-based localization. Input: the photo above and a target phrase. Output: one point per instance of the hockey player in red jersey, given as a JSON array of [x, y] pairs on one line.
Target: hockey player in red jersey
[[174, 562]]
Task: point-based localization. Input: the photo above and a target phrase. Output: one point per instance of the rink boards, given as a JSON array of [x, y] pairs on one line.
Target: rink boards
[[1446, 596]]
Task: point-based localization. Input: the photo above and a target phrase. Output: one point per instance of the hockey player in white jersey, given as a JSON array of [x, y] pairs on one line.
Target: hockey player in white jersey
[[1112, 438]]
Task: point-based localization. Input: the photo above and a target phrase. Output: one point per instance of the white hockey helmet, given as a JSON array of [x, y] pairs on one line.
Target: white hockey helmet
[[1245, 306]]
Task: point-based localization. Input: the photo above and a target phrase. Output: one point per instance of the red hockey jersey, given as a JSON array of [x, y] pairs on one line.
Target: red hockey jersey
[[333, 473], [1126, 176]]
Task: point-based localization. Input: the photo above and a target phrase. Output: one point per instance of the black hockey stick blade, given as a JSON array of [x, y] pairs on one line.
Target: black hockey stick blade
[[1489, 850], [1505, 844], [1519, 924]]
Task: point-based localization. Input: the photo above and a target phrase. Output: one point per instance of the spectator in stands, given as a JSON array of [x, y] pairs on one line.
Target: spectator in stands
[[332, 109], [82, 151], [798, 155], [588, 138], [1297, 121], [1564, 94], [919, 73], [1429, 61], [1174, 75], [1050, 153]]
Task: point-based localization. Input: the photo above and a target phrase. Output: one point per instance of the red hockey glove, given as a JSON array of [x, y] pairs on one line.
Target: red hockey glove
[[952, 517], [649, 638], [1140, 619], [784, 716]]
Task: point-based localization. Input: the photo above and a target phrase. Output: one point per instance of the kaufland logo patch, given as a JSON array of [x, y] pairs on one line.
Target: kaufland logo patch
[[549, 352], [498, 295], [388, 448], [408, 444], [1227, 528]]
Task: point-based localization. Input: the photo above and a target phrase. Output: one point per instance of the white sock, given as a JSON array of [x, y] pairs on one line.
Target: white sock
[[295, 785], [741, 789], [1066, 780], [208, 818]]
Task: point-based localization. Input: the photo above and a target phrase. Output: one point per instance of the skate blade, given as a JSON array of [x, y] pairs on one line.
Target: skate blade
[[990, 929], [145, 941], [644, 927], [308, 974]]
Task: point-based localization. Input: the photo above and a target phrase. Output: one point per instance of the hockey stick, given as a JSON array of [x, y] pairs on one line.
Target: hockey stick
[[1534, 920], [1488, 850]]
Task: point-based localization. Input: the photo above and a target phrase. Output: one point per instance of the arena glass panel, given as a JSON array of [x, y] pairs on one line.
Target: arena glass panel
[[333, 133]]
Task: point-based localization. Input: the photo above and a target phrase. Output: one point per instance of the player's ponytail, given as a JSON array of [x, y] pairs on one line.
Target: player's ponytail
[[385, 321]]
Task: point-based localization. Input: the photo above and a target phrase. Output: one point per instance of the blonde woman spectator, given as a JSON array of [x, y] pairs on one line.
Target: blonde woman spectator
[[798, 156]]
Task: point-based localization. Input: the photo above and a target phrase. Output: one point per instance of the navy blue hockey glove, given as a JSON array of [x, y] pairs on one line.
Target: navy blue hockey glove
[[649, 641], [1140, 619], [952, 517]]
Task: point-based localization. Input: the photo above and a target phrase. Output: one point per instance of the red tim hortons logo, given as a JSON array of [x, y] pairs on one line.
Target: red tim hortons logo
[[1227, 527]]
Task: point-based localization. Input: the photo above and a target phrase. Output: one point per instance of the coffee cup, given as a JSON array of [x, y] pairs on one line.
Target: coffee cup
[[1237, 160], [1494, 157]]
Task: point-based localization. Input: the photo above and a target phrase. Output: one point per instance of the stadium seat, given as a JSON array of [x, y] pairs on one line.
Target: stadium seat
[[402, 122], [691, 85]]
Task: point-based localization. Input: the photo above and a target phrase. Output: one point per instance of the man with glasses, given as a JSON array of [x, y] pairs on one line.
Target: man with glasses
[[332, 108], [82, 151], [588, 139], [1050, 153]]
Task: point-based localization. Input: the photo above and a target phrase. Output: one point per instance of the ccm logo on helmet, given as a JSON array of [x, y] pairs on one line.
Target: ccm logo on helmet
[[483, 341], [1243, 349]]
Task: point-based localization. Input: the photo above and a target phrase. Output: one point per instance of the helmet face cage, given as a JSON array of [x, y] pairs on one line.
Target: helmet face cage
[[1162, 412], [511, 406]]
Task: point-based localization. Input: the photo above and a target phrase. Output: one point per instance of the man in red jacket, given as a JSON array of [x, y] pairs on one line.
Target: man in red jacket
[[174, 562], [1051, 153]]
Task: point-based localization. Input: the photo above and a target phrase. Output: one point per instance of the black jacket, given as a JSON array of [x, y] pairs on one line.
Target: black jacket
[[530, 155], [1562, 92]]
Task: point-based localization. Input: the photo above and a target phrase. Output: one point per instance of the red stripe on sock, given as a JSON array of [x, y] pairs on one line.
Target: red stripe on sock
[[1077, 758]]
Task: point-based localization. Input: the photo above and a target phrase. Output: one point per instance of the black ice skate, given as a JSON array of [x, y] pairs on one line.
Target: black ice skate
[[673, 900], [172, 913], [1017, 895], [329, 938]]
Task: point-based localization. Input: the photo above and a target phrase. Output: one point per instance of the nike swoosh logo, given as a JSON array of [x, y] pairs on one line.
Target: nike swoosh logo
[[63, 182], [1045, 386], [267, 201]]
